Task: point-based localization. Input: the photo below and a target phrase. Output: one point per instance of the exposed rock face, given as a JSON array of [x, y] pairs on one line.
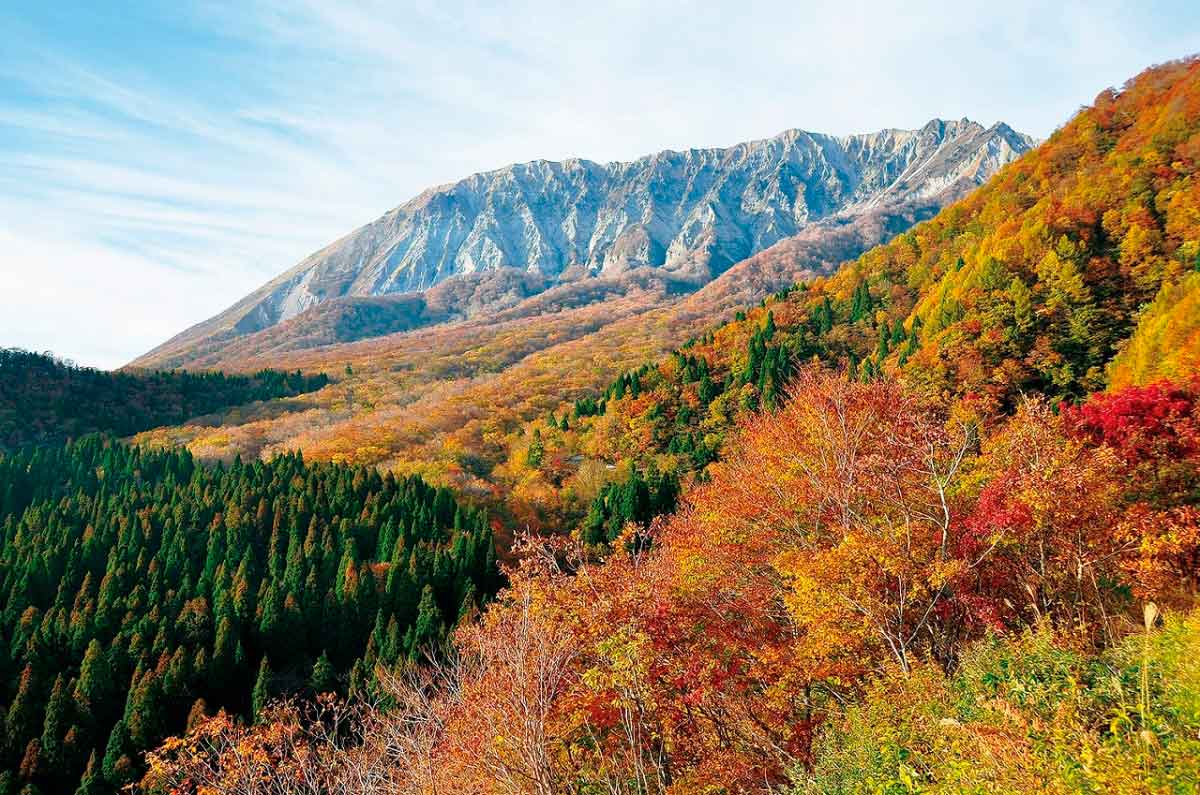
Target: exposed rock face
[[692, 214]]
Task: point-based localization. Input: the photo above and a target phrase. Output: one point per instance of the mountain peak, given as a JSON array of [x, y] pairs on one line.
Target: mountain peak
[[691, 214]]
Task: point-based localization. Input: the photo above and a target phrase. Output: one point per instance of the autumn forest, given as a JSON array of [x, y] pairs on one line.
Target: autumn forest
[[924, 520]]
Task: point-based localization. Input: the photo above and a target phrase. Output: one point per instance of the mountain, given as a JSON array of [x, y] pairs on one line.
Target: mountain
[[926, 522], [1074, 270], [502, 236], [948, 543]]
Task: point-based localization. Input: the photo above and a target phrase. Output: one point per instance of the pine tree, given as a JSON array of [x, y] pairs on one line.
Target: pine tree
[[31, 761], [224, 650], [90, 783], [143, 714], [592, 529], [468, 606], [358, 679], [23, 712], [428, 627], [324, 677], [825, 324], [857, 304], [117, 766], [262, 688], [95, 681], [56, 722]]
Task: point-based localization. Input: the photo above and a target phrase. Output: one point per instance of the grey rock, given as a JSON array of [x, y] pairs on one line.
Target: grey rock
[[692, 214]]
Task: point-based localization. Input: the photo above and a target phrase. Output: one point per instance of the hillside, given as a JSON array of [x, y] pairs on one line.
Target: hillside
[[142, 591], [47, 401], [1071, 270], [932, 545], [488, 242], [1042, 281], [449, 402], [1166, 342]]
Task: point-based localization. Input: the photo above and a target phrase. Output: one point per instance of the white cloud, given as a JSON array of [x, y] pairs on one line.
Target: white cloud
[[144, 189]]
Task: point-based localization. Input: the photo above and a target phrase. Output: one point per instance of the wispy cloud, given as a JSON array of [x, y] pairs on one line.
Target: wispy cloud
[[156, 166]]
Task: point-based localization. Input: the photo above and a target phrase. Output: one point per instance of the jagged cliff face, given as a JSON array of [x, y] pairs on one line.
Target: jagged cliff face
[[691, 214]]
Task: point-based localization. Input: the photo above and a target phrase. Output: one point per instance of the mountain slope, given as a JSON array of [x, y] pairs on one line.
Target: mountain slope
[[168, 589], [1043, 281], [1073, 270], [690, 214], [1033, 283], [1166, 343], [884, 584], [450, 401]]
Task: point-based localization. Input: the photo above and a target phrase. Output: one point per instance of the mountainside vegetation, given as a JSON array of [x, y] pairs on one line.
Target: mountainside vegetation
[[1074, 268], [939, 529], [46, 401], [1166, 343], [452, 403], [928, 524], [1033, 283], [859, 560], [142, 591]]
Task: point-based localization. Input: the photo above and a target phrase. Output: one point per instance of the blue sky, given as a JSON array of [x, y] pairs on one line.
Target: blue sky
[[160, 160]]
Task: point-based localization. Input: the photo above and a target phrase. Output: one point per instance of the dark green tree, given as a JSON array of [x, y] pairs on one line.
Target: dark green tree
[[536, 451], [90, 783], [261, 693], [117, 766]]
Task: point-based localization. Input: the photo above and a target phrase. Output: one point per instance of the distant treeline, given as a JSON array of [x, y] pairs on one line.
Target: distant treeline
[[44, 400]]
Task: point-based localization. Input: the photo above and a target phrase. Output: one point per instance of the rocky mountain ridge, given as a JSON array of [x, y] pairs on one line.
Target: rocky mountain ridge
[[690, 214]]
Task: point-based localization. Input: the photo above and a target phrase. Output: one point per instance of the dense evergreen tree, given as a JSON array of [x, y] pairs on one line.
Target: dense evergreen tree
[[135, 582], [637, 500], [90, 783], [537, 450], [117, 767], [324, 677], [587, 407], [261, 693], [44, 400]]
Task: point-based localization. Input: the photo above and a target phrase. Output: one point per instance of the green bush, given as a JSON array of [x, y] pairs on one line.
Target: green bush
[[1025, 715]]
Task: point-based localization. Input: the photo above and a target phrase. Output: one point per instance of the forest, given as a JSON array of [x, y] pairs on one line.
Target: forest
[[1073, 270], [143, 592], [938, 530], [929, 524], [868, 594], [46, 401]]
